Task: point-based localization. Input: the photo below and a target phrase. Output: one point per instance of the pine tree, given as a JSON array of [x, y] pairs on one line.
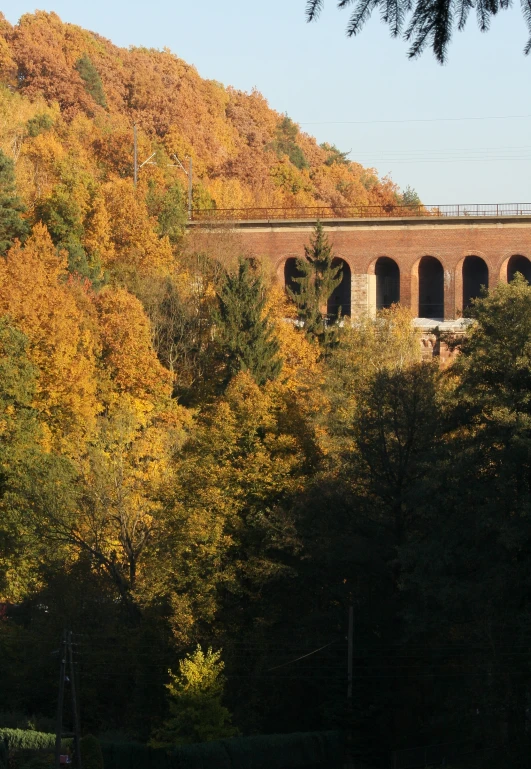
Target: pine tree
[[422, 22], [246, 334], [92, 80], [319, 279], [12, 225]]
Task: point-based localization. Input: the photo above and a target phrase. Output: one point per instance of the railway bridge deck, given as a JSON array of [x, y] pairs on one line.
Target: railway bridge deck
[[434, 260]]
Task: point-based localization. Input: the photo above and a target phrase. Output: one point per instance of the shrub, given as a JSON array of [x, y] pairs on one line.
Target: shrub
[[22, 739], [196, 710], [285, 143], [32, 760], [39, 124], [91, 755]]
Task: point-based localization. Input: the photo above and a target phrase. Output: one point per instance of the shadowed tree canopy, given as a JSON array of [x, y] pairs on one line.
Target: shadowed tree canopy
[[423, 22], [12, 225]]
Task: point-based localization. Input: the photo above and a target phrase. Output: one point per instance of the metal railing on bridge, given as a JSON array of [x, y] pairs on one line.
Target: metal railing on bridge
[[387, 211]]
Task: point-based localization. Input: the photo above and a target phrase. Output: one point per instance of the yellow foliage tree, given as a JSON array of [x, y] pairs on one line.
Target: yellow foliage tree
[[137, 247], [33, 292], [127, 352], [116, 508], [98, 232], [388, 342]]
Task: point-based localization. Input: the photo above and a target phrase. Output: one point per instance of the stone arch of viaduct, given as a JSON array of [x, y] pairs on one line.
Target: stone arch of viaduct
[[433, 266]]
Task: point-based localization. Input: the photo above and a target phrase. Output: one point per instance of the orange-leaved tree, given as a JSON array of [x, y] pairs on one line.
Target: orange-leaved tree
[[128, 357], [137, 245], [34, 293]]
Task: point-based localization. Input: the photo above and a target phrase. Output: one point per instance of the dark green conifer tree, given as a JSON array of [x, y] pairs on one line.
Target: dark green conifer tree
[[12, 225], [286, 143], [319, 279], [246, 336], [90, 75]]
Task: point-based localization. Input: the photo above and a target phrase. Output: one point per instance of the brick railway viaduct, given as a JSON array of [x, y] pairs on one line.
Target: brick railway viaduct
[[434, 261]]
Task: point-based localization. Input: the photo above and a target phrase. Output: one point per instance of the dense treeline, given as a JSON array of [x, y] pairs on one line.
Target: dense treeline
[[73, 97], [192, 481], [251, 521]]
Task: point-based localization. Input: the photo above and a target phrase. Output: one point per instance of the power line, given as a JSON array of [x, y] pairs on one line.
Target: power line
[[445, 155], [441, 160], [414, 120], [442, 150], [303, 656], [446, 152]]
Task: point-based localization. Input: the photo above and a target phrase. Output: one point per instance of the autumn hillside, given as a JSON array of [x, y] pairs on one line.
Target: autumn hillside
[[222, 511], [83, 95]]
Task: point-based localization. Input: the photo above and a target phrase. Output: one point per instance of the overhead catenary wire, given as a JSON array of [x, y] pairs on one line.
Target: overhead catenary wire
[[415, 120], [412, 161], [444, 155]]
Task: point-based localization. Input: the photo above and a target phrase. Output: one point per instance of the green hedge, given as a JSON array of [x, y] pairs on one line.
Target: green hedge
[[314, 750], [25, 739]]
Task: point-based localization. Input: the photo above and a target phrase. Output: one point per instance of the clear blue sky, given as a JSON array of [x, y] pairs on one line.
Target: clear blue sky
[[328, 83]]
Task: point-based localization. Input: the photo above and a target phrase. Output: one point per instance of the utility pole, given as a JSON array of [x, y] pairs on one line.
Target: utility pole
[[350, 666], [190, 177], [136, 167], [66, 655], [350, 652], [136, 155], [75, 709], [60, 702]]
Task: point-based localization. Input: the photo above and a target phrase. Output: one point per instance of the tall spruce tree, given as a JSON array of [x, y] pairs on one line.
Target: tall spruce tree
[[92, 80], [318, 280], [246, 336], [12, 225]]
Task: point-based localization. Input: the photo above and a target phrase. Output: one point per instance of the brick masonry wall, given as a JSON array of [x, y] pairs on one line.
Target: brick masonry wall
[[361, 242]]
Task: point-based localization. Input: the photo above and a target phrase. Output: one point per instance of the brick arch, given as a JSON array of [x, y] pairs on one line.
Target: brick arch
[[505, 265], [342, 296], [384, 280], [280, 264], [428, 288], [461, 280], [371, 265]]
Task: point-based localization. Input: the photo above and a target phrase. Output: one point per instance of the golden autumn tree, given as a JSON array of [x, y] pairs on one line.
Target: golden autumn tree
[[371, 346], [33, 292], [137, 245], [116, 512], [127, 353], [98, 232], [8, 67]]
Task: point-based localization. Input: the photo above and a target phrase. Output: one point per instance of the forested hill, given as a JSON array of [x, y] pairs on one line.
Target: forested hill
[[206, 495], [83, 95]]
